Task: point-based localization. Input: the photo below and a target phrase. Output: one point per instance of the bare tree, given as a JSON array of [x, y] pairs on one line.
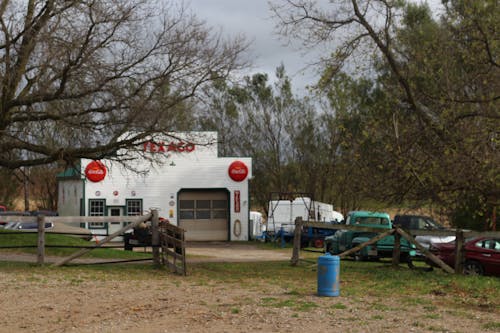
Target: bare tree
[[442, 81], [86, 78]]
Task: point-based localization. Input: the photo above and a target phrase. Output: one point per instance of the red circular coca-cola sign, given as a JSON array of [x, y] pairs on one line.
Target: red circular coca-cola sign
[[238, 171], [95, 171]]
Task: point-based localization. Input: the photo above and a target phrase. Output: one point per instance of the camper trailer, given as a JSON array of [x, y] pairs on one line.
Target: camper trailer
[[257, 226], [282, 214]]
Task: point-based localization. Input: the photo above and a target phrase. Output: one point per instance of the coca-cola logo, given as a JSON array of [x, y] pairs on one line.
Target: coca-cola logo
[[238, 171], [95, 171]]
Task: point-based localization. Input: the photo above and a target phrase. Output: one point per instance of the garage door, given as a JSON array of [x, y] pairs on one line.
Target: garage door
[[204, 215]]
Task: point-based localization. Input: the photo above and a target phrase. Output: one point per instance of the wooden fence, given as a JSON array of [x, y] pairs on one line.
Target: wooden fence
[[398, 233], [173, 247], [162, 236]]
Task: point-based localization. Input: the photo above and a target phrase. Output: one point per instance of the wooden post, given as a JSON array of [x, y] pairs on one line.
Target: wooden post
[[426, 252], [459, 252], [396, 251], [296, 241], [155, 237], [40, 257]]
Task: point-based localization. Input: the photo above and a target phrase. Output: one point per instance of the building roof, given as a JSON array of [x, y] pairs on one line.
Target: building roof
[[70, 173]]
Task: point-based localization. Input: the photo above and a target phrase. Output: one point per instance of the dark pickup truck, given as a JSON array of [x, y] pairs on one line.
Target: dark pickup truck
[[421, 222]]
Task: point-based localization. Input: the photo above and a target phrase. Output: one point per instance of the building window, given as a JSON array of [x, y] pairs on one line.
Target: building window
[[202, 209], [219, 209], [219, 214], [97, 207], [186, 209], [134, 207]]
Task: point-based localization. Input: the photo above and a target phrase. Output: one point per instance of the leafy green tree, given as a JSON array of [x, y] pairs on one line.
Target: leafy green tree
[[267, 114], [254, 119], [435, 116], [219, 112]]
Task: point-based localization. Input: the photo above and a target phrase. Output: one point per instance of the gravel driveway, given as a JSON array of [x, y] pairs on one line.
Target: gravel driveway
[[196, 252]]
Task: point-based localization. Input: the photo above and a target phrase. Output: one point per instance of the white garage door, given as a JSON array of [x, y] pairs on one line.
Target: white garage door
[[204, 215]]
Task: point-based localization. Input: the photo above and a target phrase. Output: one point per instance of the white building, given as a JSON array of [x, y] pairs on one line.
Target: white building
[[195, 189]]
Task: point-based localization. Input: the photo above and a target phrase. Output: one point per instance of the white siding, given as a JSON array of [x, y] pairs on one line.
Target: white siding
[[158, 188], [69, 197]]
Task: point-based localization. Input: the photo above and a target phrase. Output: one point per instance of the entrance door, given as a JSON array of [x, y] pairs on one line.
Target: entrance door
[[115, 226], [204, 215]]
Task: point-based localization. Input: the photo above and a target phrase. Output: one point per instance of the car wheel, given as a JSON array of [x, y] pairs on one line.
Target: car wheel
[[473, 268], [126, 243], [318, 243], [409, 261], [128, 246], [359, 257]]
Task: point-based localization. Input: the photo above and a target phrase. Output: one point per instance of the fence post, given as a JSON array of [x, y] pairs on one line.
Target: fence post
[[296, 241], [40, 258], [459, 251], [396, 251], [155, 237]]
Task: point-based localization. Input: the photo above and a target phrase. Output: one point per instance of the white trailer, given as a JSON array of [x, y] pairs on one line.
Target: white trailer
[[257, 226], [282, 213]]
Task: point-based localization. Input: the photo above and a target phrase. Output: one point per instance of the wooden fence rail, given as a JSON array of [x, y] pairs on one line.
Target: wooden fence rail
[[164, 237], [397, 232], [173, 246], [77, 254]]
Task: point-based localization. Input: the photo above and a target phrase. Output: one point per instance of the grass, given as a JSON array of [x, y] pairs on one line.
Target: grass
[[285, 286], [493, 326], [9, 238]]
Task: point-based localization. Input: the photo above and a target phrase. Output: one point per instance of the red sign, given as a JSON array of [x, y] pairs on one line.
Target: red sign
[[238, 171], [95, 171], [236, 201], [162, 147]]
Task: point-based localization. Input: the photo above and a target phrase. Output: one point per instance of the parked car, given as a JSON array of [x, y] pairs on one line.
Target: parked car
[[481, 255], [4, 214], [27, 226], [44, 212], [420, 222], [3, 208], [51, 227]]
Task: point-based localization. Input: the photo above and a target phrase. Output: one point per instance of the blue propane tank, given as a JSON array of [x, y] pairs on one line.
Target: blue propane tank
[[328, 275]]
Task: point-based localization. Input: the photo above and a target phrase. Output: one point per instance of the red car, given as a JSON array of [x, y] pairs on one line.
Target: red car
[[481, 254]]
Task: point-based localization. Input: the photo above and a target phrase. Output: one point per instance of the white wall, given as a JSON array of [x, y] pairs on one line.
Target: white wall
[[199, 169], [69, 197]]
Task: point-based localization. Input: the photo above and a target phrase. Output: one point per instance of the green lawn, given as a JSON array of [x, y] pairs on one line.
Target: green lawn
[[11, 239], [377, 279]]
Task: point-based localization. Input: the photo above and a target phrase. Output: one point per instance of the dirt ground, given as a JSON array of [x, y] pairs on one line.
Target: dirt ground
[[51, 302]]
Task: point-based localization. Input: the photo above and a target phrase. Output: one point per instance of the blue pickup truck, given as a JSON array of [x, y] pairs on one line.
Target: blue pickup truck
[[344, 240]]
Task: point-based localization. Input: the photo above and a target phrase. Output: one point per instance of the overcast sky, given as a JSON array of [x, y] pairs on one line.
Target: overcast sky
[[253, 19]]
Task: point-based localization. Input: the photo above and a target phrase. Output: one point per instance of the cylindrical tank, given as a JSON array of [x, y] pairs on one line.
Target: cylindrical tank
[[328, 275]]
